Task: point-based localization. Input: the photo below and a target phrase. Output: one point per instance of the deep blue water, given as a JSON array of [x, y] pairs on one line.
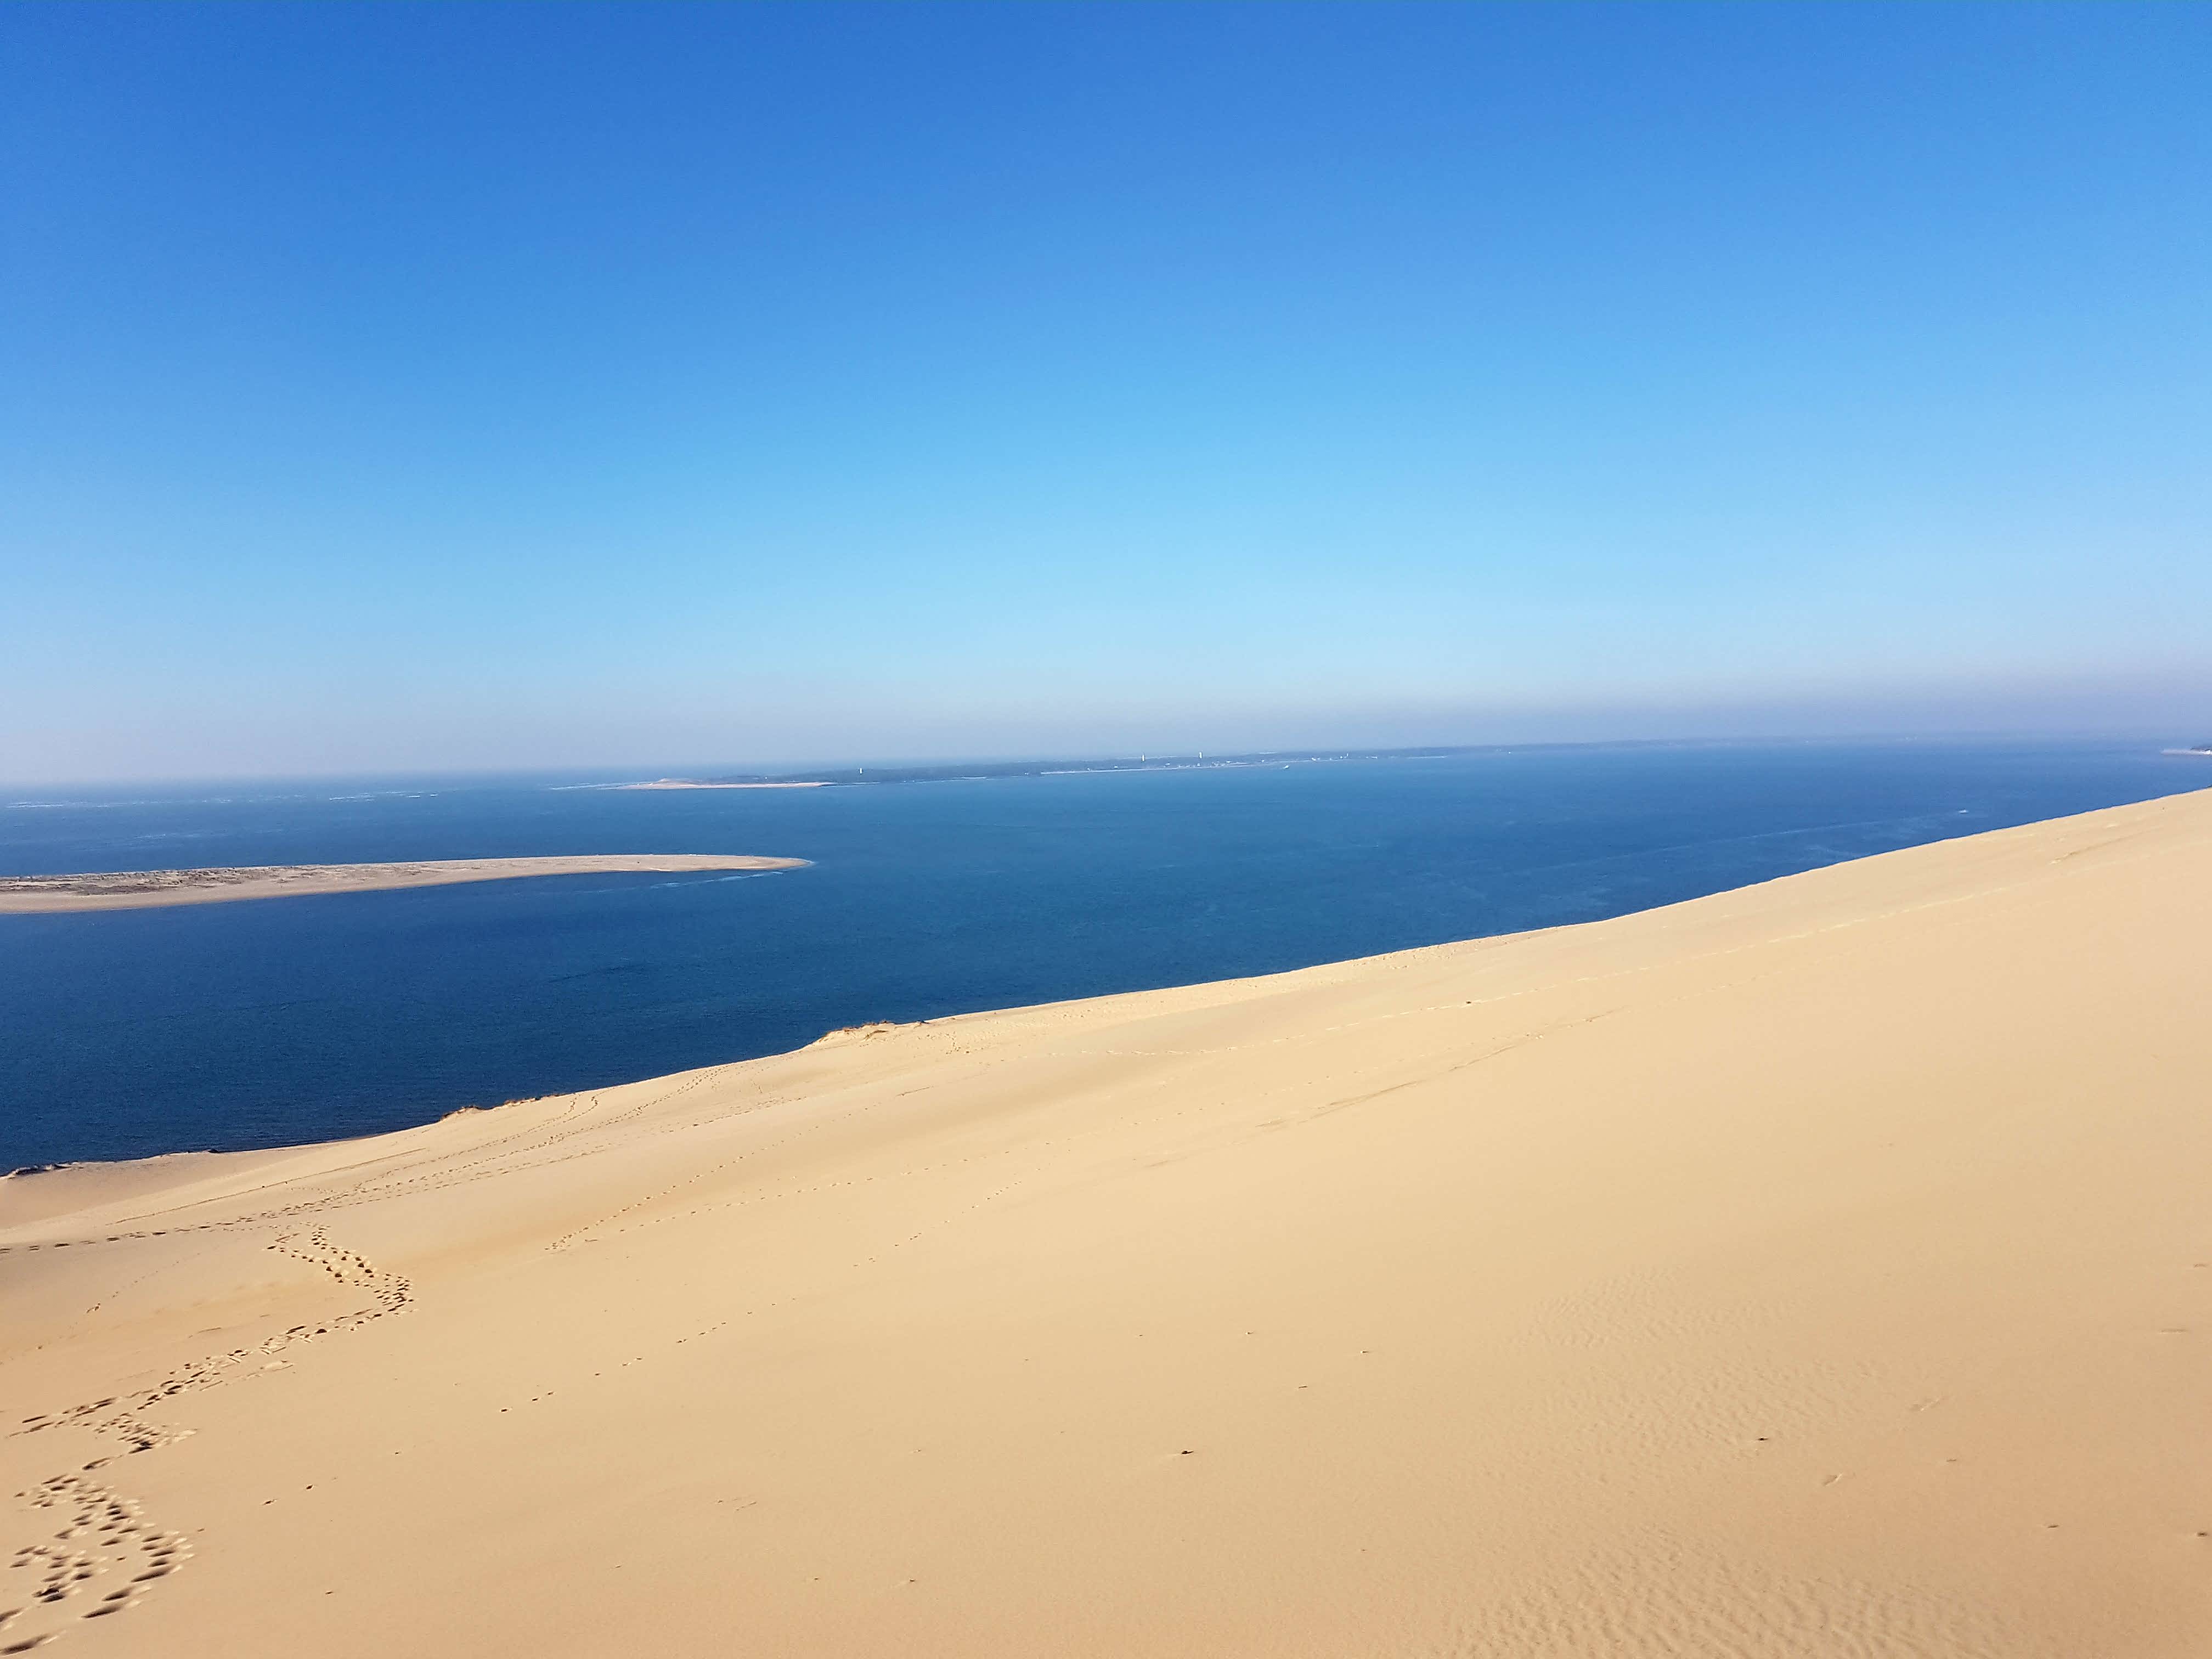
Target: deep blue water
[[261, 1024]]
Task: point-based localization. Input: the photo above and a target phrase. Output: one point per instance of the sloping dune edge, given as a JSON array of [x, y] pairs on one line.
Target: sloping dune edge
[[1819, 1268]]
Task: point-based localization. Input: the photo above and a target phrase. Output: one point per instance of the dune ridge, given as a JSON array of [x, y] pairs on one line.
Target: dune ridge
[[1819, 1268]]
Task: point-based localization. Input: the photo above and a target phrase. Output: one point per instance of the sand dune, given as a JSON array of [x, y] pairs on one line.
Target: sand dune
[[141, 890], [1823, 1268]]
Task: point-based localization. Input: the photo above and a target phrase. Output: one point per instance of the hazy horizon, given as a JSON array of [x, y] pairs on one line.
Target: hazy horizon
[[509, 389], [2116, 709], [1566, 729]]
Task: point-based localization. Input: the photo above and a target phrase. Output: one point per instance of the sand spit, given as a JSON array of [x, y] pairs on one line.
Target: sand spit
[[1822, 1269], [140, 889], [688, 783]]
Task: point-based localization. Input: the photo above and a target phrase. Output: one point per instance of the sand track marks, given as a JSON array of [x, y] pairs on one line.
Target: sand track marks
[[104, 1551], [105, 1558]]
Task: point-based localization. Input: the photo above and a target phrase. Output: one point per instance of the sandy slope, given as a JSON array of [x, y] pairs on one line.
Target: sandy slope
[[142, 890], [1819, 1268]]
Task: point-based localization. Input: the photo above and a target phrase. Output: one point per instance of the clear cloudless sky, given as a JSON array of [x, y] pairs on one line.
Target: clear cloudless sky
[[414, 387]]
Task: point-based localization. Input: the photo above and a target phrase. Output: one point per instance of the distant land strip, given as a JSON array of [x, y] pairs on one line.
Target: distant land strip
[[139, 890], [979, 771], [976, 771]]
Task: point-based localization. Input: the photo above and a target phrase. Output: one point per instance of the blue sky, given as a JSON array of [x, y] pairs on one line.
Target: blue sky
[[429, 387]]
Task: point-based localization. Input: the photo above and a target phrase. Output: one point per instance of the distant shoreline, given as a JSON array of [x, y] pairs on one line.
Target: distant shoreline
[[991, 771], [142, 890], [693, 783], [982, 771]]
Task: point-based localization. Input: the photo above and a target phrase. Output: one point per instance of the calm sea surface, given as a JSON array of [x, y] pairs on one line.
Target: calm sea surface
[[260, 1023]]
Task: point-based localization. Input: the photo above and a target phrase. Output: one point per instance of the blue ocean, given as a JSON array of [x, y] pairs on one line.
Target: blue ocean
[[266, 1023]]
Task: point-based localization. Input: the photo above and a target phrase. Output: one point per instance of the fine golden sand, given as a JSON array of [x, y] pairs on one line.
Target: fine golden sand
[[1822, 1269], [142, 890]]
